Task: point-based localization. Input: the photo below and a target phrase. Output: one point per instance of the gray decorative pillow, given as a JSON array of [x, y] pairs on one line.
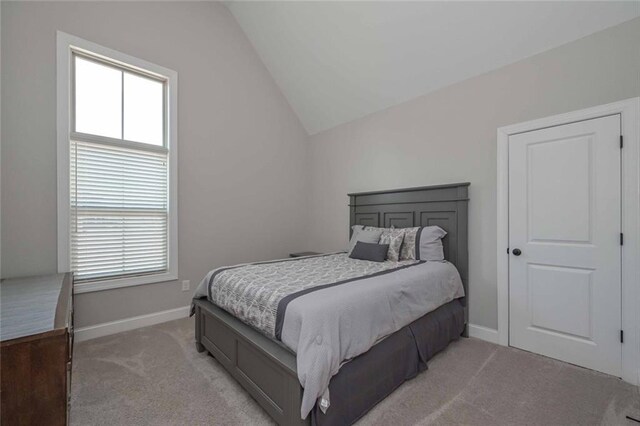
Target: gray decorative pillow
[[430, 243], [394, 238], [363, 234], [369, 251], [408, 249]]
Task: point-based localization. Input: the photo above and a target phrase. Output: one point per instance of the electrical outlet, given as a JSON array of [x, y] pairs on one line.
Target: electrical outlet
[[185, 285]]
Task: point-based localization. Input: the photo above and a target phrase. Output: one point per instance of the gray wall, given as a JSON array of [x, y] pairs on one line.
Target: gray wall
[[450, 136], [242, 156]]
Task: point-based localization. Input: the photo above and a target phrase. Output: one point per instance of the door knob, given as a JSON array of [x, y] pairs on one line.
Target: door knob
[[517, 252]]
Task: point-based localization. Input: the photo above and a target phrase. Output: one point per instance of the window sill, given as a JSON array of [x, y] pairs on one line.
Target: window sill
[[89, 287]]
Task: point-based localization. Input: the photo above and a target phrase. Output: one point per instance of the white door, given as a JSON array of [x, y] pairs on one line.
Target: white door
[[564, 242]]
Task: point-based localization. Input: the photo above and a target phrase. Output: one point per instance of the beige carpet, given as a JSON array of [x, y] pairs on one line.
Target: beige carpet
[[154, 376]]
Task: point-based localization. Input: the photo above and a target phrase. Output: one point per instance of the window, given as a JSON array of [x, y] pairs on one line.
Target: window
[[116, 151]]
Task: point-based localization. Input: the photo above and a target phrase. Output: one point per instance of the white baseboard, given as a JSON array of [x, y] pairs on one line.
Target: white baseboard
[[483, 333], [126, 324]]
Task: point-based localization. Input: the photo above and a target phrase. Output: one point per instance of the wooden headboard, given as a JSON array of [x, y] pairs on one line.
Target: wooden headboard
[[441, 205]]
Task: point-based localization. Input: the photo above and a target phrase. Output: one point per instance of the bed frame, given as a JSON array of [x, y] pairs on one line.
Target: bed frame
[[266, 369]]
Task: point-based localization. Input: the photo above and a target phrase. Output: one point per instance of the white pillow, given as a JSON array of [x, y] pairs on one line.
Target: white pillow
[[364, 234], [430, 243]]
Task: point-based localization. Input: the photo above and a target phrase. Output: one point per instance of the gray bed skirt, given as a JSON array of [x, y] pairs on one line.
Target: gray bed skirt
[[372, 376]]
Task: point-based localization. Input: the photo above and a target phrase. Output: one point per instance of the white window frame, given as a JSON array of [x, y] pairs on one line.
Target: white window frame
[[66, 44]]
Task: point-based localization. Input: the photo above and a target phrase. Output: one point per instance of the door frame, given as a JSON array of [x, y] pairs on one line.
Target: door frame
[[629, 111]]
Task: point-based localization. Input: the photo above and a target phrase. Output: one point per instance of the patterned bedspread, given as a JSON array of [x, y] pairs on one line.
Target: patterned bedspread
[[254, 293]]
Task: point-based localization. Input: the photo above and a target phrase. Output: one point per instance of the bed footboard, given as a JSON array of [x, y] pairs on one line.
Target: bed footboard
[[262, 367]]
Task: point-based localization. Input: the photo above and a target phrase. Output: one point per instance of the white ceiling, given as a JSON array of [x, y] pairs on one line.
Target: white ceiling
[[338, 61]]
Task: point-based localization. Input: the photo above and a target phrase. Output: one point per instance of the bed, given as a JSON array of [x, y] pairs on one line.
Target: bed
[[261, 358]]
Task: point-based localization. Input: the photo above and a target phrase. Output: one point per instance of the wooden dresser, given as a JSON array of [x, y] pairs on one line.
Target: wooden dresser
[[36, 334]]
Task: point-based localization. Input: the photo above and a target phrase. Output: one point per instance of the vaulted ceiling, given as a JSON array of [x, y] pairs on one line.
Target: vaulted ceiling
[[338, 61]]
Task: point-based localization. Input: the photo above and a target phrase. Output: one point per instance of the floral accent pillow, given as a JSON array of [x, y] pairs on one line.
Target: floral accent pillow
[[394, 238], [408, 249]]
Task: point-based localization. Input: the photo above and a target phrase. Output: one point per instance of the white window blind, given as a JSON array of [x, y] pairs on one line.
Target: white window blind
[[119, 205]]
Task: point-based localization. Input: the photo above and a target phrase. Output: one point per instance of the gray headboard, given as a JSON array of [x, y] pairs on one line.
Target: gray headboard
[[441, 205]]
